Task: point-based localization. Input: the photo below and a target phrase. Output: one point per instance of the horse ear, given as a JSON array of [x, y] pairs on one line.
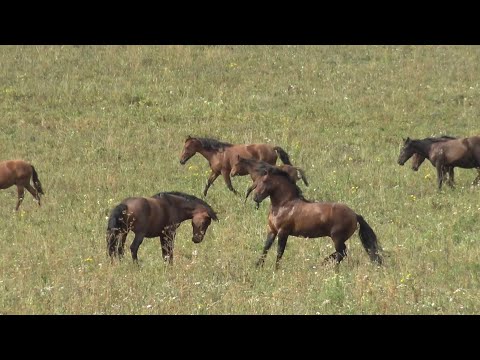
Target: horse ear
[[189, 137]]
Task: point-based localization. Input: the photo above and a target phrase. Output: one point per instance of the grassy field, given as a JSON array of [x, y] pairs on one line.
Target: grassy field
[[103, 123]]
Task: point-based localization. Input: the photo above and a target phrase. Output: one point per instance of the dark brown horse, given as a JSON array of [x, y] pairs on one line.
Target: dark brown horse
[[291, 214], [418, 159], [462, 152], [19, 173], [159, 215], [222, 156]]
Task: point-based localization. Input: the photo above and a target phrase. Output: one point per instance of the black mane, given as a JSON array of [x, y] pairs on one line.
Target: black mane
[[212, 144], [439, 139], [273, 170], [188, 197]]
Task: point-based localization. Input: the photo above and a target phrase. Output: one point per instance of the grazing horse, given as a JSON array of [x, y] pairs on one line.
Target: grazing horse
[[257, 168], [462, 152], [222, 156], [418, 159], [159, 215], [19, 173], [291, 214]]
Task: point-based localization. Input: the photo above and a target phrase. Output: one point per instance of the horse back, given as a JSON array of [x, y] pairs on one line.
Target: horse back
[[263, 152], [146, 215], [13, 172]]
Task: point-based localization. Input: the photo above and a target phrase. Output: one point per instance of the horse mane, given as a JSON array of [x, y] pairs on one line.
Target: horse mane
[[212, 144], [189, 197], [273, 170]]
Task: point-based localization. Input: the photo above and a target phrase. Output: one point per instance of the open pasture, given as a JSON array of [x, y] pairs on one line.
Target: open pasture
[[102, 123]]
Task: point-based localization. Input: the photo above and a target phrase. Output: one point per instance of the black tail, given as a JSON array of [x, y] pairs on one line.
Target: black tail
[[302, 175], [369, 240], [36, 181], [114, 227], [283, 155]]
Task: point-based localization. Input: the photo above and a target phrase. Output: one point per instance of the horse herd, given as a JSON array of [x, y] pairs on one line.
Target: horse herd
[[290, 213]]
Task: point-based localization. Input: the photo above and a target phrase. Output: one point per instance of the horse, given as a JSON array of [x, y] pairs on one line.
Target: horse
[[19, 173], [159, 215], [418, 159], [255, 168], [292, 215], [221, 156], [461, 152]]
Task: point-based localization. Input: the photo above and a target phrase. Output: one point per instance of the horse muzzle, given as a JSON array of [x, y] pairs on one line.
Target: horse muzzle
[[197, 239]]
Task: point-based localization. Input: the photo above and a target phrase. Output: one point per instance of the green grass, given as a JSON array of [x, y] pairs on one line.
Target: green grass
[[103, 123]]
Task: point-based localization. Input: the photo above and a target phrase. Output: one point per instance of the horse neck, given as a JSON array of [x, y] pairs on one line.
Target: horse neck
[[207, 154], [187, 208], [422, 147], [283, 193]]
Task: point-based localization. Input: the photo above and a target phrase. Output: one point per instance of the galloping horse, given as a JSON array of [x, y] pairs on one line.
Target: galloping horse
[[462, 152], [222, 156], [291, 214], [159, 215], [19, 173]]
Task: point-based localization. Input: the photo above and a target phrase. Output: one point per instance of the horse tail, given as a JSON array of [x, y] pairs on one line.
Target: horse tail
[[114, 227], [302, 175], [283, 155], [36, 181], [369, 240]]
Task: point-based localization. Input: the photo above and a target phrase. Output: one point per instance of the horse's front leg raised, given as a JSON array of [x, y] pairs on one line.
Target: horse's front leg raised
[[213, 176]]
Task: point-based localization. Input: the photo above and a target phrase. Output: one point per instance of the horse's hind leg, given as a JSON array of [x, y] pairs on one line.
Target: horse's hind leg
[[135, 245], [34, 192], [121, 243], [439, 175], [20, 194], [340, 249], [228, 181], [268, 244]]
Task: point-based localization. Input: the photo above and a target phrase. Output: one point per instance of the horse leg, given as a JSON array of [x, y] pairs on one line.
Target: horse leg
[[439, 175], [121, 244], [34, 192], [228, 181], [451, 180], [167, 241], [20, 194], [135, 245], [282, 242], [213, 176], [338, 239], [268, 244]]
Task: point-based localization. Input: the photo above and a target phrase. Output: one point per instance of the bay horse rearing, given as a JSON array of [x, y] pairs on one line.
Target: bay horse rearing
[[19, 173], [159, 215], [291, 214], [462, 152], [222, 156]]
